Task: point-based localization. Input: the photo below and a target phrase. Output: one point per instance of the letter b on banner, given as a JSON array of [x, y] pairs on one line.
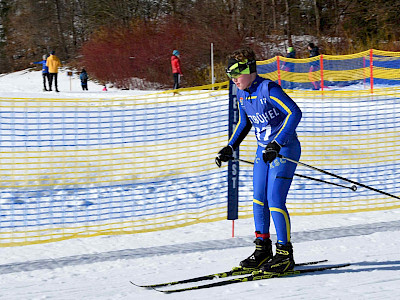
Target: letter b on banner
[[233, 166]]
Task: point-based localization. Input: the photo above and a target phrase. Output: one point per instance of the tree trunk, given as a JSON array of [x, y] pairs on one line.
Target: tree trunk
[[288, 23], [60, 29], [263, 16], [317, 18], [274, 22]]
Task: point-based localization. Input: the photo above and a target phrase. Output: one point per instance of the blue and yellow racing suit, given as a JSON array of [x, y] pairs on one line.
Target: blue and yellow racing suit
[[265, 106]]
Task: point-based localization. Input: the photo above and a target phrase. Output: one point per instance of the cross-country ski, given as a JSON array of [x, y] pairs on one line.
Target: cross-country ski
[[234, 272], [257, 275]]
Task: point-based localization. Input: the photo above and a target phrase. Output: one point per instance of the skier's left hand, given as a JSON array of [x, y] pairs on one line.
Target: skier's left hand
[[271, 151]]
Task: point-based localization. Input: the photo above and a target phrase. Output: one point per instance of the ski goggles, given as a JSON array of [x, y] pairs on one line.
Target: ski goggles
[[239, 68]]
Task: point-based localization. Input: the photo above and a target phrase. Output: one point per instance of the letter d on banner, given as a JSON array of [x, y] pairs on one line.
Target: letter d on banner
[[233, 165]]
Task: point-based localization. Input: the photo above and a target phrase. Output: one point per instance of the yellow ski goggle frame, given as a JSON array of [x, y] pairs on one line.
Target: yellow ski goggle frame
[[237, 69]]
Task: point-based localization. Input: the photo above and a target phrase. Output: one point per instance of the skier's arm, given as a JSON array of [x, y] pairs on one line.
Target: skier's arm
[[242, 129], [287, 106], [178, 66], [39, 62]]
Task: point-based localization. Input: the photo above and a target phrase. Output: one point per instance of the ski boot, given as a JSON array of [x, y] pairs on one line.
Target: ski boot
[[262, 254], [282, 261]]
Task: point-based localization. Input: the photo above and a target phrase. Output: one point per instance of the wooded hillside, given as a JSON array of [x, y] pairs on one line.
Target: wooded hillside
[[116, 40]]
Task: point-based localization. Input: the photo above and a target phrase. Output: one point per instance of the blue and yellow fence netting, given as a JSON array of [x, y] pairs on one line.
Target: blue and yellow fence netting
[[365, 70], [86, 167]]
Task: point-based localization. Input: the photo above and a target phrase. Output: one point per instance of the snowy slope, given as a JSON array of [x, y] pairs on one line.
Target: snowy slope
[[101, 267], [29, 83]]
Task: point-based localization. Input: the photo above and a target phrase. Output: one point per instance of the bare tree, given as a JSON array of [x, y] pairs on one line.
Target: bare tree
[[30, 28], [288, 22], [317, 18], [274, 21]]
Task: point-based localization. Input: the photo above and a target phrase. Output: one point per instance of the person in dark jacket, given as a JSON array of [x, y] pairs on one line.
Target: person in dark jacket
[[176, 68], [314, 66], [289, 66], [84, 79], [314, 51], [45, 71], [291, 53]]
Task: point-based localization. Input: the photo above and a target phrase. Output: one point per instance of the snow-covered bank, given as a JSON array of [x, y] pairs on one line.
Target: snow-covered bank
[[28, 83], [101, 267]]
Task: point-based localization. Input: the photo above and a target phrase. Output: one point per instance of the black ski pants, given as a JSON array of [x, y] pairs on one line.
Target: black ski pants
[[51, 77]]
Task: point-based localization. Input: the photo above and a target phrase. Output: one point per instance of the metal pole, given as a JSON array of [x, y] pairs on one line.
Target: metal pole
[[212, 65], [337, 176], [353, 188]]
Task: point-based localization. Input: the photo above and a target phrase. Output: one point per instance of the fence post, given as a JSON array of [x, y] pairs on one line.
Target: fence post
[[364, 71], [321, 63], [278, 64], [371, 67]]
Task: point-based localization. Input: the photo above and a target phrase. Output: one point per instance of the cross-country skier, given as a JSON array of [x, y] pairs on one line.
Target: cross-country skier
[[314, 66], [84, 79], [176, 69], [263, 104], [45, 71]]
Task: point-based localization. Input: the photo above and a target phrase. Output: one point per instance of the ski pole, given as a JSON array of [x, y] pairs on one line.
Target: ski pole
[[337, 176], [353, 188]]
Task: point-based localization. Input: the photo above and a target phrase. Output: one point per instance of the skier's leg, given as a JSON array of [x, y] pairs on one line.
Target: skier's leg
[[280, 177], [176, 81], [50, 80], [55, 81], [44, 81], [261, 214], [261, 211]]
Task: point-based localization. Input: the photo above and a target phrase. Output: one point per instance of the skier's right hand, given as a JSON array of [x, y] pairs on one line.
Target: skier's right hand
[[224, 155]]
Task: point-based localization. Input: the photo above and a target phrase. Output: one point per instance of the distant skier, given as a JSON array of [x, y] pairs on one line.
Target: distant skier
[[291, 53], [53, 62], [263, 104], [289, 66], [84, 79], [45, 71], [314, 66], [176, 69], [314, 51]]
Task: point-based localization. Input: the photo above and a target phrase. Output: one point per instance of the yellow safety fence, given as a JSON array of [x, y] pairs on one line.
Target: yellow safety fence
[[74, 168]]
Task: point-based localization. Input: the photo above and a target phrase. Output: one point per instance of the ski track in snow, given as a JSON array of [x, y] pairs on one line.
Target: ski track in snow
[[126, 254]]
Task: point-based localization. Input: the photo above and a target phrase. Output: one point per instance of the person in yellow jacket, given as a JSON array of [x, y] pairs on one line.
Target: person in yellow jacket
[[53, 62]]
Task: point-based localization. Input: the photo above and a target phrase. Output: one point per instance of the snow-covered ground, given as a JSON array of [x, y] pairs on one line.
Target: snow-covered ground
[[28, 83], [101, 267]]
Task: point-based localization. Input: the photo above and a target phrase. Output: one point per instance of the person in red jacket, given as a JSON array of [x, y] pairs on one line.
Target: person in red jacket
[[176, 68]]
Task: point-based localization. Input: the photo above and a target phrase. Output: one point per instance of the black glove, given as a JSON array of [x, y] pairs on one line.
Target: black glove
[[224, 155], [271, 151]]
